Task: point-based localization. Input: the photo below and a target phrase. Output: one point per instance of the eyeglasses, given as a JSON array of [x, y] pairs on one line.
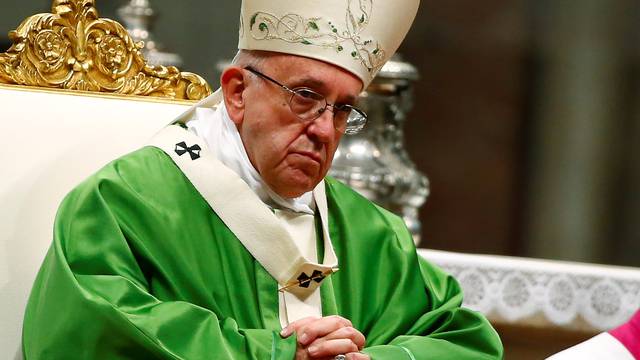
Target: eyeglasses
[[308, 105]]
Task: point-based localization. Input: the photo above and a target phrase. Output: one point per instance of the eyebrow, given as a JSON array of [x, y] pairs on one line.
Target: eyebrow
[[307, 82], [320, 86]]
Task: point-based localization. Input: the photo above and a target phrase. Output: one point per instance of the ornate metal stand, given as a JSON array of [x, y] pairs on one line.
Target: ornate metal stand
[[138, 17], [375, 162]]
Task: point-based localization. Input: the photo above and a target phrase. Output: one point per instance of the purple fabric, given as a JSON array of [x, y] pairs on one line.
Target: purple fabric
[[629, 335]]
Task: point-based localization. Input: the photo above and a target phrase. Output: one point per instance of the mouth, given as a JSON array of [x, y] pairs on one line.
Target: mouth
[[311, 155]]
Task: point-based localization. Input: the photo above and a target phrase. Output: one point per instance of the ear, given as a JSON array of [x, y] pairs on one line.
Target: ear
[[234, 84]]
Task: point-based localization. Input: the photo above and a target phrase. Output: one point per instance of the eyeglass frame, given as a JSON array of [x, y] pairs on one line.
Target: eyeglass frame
[[347, 131]]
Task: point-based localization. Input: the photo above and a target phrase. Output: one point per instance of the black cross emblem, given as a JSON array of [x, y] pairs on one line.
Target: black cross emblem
[[194, 151], [304, 281]]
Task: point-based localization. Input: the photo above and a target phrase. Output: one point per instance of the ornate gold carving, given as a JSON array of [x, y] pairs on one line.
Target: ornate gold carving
[[72, 48]]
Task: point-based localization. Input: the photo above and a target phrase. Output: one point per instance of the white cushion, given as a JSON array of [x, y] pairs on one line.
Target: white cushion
[[51, 141]]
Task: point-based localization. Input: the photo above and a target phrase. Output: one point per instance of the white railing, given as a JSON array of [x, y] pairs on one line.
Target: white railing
[[543, 293]]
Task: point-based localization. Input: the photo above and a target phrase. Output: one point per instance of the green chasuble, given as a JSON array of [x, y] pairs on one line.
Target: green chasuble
[[142, 268]]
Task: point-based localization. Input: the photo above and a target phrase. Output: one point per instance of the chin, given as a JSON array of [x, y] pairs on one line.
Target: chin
[[296, 190], [296, 187], [295, 182]]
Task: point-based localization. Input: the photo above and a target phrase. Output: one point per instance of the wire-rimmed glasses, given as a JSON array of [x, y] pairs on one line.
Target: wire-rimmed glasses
[[308, 105]]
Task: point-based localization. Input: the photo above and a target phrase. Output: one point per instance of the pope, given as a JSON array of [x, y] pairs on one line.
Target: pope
[[224, 239]]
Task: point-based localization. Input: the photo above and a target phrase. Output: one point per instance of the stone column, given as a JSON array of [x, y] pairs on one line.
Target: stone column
[[577, 132]]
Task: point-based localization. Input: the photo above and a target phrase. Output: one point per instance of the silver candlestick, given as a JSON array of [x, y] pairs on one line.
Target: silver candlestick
[[138, 17], [375, 161]]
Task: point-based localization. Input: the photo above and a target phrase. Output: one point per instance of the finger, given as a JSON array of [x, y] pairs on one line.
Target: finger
[[357, 356], [294, 326], [332, 348], [344, 333], [326, 325]]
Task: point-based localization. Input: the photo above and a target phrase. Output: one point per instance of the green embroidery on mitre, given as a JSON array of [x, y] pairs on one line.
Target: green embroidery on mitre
[[316, 31]]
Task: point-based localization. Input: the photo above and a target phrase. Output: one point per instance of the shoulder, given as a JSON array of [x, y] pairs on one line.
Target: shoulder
[[346, 197], [140, 173], [359, 214]]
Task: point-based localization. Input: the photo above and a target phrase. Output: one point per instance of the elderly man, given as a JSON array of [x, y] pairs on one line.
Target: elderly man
[[223, 239]]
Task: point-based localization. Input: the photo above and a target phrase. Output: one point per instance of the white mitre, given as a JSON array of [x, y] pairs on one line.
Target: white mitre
[[357, 35]]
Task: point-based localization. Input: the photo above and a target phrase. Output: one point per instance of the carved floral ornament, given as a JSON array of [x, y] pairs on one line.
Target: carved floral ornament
[[72, 48]]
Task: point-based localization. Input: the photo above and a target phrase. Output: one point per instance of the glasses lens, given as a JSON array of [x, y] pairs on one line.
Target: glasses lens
[[356, 121], [307, 104]]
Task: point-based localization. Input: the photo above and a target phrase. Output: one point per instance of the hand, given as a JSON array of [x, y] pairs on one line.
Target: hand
[[324, 338]]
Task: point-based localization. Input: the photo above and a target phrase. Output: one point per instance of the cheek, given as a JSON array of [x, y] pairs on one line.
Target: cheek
[[332, 148], [267, 147]]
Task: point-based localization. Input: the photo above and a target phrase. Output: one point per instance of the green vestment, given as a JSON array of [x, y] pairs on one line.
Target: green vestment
[[142, 268]]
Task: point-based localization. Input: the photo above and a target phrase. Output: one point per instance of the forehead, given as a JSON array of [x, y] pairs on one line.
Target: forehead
[[301, 71]]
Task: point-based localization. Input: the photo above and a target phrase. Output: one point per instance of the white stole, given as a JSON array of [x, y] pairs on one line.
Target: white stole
[[266, 235]]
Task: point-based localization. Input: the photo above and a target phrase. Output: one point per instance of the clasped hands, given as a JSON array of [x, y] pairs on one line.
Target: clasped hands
[[324, 338]]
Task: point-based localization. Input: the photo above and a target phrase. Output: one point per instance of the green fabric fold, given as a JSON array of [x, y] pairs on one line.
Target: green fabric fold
[[142, 268]]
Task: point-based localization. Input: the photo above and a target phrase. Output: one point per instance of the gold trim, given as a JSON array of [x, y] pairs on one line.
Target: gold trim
[[296, 283], [100, 95], [72, 48]]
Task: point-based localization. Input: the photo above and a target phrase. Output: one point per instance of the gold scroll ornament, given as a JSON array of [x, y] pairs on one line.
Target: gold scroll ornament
[[72, 48]]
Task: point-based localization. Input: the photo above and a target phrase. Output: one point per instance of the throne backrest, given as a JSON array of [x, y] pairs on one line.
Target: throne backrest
[[76, 93]]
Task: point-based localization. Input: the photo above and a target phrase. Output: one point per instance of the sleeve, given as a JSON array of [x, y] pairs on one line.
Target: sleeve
[[600, 347], [414, 328], [91, 300]]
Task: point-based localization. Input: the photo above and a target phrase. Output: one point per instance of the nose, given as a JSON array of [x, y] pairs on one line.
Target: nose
[[323, 128]]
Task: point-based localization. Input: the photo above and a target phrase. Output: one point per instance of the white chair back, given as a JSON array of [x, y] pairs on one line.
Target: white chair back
[[51, 141]]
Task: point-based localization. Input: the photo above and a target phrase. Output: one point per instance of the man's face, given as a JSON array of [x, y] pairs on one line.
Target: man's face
[[292, 156]]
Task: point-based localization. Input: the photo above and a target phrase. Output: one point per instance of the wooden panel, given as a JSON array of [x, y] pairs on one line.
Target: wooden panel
[[466, 129]]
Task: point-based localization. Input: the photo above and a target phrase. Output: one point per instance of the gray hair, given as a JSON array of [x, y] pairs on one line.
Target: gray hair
[[252, 58]]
